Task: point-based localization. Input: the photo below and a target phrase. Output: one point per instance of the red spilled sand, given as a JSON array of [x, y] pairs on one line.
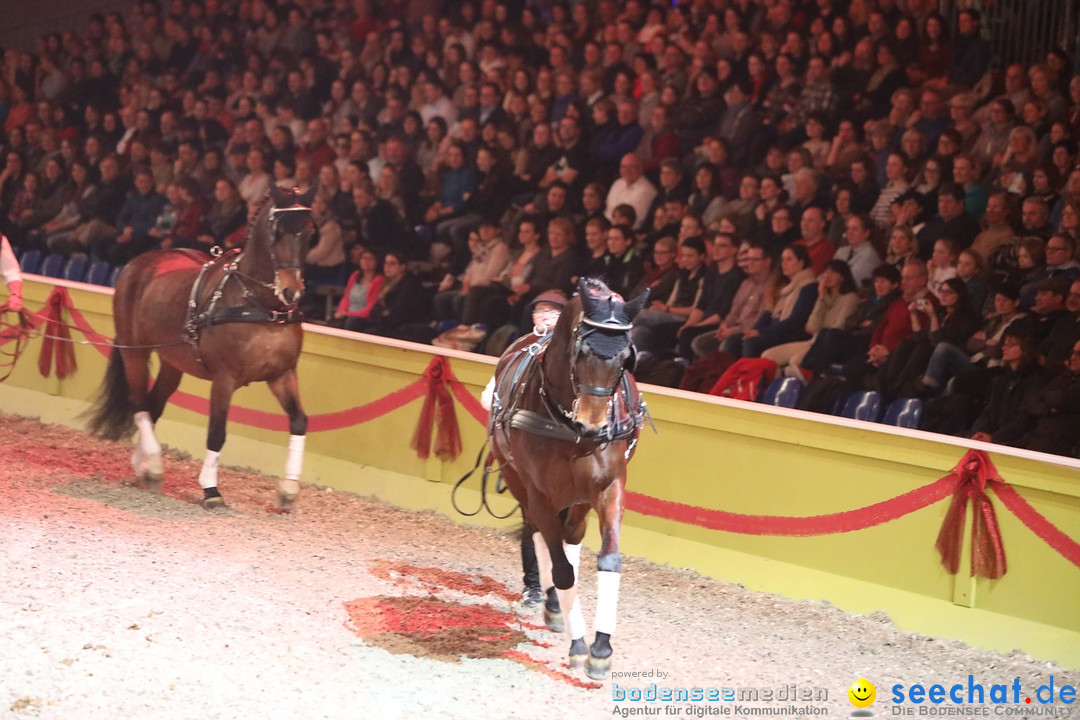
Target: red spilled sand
[[427, 626], [433, 579]]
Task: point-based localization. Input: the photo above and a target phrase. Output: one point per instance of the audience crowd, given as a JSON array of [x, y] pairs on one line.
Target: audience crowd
[[856, 190]]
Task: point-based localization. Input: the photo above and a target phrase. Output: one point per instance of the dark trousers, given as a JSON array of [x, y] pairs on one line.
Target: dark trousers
[[529, 567]]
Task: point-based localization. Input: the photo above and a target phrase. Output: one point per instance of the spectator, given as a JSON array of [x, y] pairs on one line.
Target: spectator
[[796, 294], [656, 327], [859, 253], [814, 239], [837, 301], [746, 307], [134, 222], [1004, 419], [953, 221], [631, 188]]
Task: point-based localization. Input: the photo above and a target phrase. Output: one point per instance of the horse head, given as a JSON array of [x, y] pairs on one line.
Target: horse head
[[288, 228], [601, 351]]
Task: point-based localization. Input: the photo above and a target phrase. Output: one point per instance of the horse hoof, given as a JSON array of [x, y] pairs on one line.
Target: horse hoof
[[153, 483], [554, 621], [597, 668], [578, 654], [213, 503], [288, 491]]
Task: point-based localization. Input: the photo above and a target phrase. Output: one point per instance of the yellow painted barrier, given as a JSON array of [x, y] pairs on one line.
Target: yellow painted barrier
[[711, 454]]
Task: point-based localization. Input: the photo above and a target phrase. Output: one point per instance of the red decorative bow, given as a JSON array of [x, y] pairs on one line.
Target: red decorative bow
[[447, 436], [57, 336], [973, 473]]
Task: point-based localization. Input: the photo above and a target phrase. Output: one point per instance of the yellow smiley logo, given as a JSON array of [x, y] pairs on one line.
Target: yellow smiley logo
[[862, 693]]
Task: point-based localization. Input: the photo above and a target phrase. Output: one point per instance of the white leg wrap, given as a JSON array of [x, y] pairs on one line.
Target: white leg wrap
[[573, 555], [543, 561], [208, 474], [294, 464], [607, 600], [568, 599], [148, 444], [571, 607], [147, 441]]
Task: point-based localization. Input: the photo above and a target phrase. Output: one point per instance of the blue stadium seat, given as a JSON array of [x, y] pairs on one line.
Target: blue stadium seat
[[863, 405], [31, 261], [53, 266], [98, 274], [75, 270], [115, 274], [783, 392], [905, 413]]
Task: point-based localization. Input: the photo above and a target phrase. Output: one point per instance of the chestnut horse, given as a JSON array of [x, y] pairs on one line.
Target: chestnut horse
[[565, 419], [232, 320]]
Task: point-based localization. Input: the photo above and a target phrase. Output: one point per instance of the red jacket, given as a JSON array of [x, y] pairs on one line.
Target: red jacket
[[896, 325]]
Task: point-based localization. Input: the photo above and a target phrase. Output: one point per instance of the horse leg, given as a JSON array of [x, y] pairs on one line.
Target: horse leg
[[221, 391], [564, 562], [146, 460], [553, 616], [287, 392], [167, 381], [575, 619], [609, 569]]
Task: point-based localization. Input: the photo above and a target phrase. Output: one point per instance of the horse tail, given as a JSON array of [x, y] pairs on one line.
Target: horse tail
[[110, 416]]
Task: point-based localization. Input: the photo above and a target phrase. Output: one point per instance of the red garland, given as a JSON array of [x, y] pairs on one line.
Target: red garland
[[447, 435], [57, 336], [973, 473]]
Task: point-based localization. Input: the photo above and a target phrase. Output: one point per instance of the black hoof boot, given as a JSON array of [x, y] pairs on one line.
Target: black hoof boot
[[579, 651], [599, 663], [553, 617], [212, 499]]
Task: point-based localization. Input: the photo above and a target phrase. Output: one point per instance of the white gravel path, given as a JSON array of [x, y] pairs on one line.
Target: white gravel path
[[115, 603]]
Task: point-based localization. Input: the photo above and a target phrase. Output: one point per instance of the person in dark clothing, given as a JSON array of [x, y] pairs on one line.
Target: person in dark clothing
[[1004, 419], [624, 268], [954, 323], [953, 221], [719, 294], [835, 346], [1057, 346], [134, 222], [1056, 412], [403, 303], [379, 227], [970, 53]]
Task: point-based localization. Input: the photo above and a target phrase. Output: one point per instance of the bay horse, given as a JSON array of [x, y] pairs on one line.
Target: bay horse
[[565, 418], [232, 320]]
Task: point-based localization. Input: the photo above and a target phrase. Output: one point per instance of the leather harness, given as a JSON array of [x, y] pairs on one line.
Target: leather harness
[[626, 416]]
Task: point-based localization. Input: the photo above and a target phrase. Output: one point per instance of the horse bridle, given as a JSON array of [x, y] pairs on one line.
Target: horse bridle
[[610, 325], [273, 220]]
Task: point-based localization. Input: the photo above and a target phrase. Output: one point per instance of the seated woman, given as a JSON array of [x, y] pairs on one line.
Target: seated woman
[[838, 346], [403, 305], [226, 223], [983, 348], [489, 255], [953, 324], [326, 261], [795, 299], [362, 289], [837, 301]]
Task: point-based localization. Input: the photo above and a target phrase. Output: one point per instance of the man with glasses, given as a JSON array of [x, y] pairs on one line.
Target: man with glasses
[[1060, 263], [1064, 335], [718, 298], [746, 308]]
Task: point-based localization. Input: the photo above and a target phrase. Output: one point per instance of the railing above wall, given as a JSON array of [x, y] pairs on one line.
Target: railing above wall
[[1023, 31], [40, 17]]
